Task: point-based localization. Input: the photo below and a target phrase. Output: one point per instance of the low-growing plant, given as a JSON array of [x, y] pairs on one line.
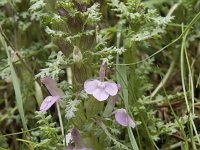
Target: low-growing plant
[[99, 75]]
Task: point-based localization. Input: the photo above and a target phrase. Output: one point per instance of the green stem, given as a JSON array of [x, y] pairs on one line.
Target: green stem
[[183, 51], [60, 119], [164, 80], [180, 125], [125, 97]]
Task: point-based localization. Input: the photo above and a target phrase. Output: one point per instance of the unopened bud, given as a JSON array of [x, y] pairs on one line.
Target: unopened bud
[[102, 70], [77, 55], [76, 137], [62, 11]]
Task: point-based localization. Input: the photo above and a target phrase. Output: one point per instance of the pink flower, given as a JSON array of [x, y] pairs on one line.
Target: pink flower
[[122, 117], [55, 92], [101, 89]]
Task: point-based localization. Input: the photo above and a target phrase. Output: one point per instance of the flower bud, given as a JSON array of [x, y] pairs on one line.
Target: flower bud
[[102, 70], [62, 11], [76, 137], [77, 55]]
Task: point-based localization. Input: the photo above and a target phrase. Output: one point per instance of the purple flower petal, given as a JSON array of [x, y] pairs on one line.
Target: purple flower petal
[[111, 88], [100, 94], [51, 85], [69, 148], [48, 102], [91, 85], [123, 118], [76, 137]]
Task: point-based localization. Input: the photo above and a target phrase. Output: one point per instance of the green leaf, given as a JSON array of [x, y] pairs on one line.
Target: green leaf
[[15, 82]]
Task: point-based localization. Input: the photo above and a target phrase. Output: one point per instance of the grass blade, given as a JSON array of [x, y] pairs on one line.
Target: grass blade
[[15, 82]]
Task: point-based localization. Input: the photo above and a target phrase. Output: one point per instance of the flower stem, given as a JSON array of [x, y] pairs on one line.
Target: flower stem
[[60, 119]]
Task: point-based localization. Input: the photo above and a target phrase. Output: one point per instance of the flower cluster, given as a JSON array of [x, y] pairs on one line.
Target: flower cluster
[[100, 90]]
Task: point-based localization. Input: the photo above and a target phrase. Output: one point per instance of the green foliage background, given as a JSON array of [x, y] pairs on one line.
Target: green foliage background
[[152, 48]]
